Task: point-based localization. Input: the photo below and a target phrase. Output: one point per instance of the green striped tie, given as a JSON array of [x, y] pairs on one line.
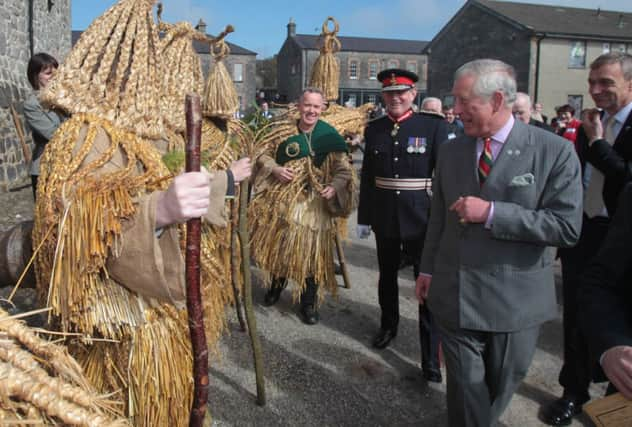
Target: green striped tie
[[485, 161]]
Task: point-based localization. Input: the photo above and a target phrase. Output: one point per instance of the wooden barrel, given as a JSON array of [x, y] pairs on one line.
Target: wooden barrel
[[15, 252]]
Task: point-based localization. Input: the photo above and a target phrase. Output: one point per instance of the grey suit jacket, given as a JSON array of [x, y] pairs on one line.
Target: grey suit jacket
[[501, 279]]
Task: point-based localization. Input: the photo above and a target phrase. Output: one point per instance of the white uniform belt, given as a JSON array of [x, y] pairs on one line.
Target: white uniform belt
[[403, 183]]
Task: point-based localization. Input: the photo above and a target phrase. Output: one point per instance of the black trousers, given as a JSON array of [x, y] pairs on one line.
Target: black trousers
[[389, 252], [575, 375]]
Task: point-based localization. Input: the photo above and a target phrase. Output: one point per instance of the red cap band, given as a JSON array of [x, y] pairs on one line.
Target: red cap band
[[397, 80]]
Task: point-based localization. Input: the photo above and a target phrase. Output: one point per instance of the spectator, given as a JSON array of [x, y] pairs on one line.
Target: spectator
[[432, 105], [43, 122], [455, 126], [567, 125], [522, 111], [602, 143], [536, 113]]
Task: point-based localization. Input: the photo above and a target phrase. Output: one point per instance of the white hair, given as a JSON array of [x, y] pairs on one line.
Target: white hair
[[491, 76]]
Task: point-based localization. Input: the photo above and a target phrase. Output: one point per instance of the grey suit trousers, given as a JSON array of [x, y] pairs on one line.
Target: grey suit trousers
[[484, 369]]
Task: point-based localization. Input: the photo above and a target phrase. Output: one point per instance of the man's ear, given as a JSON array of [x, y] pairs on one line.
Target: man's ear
[[498, 100]]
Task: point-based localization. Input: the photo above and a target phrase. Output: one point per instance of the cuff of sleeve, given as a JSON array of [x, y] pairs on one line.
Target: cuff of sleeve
[[490, 216], [230, 184]]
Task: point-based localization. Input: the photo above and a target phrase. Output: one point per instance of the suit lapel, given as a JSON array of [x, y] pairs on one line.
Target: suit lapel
[[512, 153], [626, 131], [469, 162]]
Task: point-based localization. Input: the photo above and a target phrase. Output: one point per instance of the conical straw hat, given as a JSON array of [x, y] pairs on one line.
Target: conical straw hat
[[113, 71]]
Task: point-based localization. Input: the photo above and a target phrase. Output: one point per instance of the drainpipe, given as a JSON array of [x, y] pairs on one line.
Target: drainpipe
[[31, 13], [537, 68]]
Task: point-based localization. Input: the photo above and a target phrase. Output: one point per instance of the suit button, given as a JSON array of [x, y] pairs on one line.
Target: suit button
[[395, 159], [396, 142], [396, 176], [397, 192]]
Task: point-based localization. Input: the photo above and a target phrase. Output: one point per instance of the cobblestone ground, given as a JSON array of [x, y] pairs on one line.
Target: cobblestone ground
[[328, 374]]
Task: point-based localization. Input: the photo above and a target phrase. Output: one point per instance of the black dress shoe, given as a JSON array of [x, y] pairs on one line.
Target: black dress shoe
[[561, 411], [384, 337], [273, 295], [433, 376], [309, 314]]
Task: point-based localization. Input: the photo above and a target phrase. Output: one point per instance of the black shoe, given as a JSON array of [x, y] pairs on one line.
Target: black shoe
[[433, 375], [384, 337], [273, 295], [561, 411], [309, 314]]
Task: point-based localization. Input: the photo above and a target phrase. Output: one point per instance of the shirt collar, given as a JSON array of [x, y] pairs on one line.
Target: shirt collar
[[503, 133], [622, 114]]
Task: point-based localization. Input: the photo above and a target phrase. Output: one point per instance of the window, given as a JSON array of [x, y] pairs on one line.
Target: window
[[630, 48], [605, 48], [372, 98], [577, 102], [393, 63], [577, 57], [618, 47], [352, 101], [411, 66], [238, 72], [293, 69], [373, 70], [353, 69]]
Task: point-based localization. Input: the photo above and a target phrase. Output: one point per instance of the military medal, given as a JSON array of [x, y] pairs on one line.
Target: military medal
[[422, 148], [410, 149]]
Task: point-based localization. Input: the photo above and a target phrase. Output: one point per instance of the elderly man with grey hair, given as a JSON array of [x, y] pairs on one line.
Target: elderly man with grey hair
[[504, 194], [522, 111], [431, 104]]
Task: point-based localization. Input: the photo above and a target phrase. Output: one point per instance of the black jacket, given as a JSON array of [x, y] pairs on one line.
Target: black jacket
[[606, 288], [398, 214], [615, 161]]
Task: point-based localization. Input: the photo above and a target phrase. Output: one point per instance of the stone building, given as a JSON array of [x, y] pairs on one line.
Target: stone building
[[551, 47], [361, 59], [26, 27]]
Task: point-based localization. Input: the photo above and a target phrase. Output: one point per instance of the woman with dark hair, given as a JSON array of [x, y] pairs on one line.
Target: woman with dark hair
[[43, 122], [567, 126]]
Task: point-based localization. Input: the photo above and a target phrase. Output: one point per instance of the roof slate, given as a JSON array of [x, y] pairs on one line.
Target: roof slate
[[365, 44], [560, 20]]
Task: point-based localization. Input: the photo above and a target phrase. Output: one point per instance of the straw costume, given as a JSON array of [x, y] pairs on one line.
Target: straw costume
[[292, 226], [104, 269]]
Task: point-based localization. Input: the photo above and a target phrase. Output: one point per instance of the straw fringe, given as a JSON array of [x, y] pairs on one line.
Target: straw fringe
[[326, 71], [220, 97]]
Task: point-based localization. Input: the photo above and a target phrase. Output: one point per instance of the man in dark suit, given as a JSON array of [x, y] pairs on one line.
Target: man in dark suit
[[606, 294], [605, 148], [400, 155], [503, 195]]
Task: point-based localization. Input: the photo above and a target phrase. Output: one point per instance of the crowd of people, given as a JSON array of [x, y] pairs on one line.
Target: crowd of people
[[477, 195]]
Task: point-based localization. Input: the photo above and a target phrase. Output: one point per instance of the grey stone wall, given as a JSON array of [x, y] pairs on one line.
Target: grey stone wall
[[51, 34], [473, 35], [290, 71]]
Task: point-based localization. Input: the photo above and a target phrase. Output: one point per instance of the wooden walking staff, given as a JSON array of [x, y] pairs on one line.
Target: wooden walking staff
[[192, 259], [342, 261]]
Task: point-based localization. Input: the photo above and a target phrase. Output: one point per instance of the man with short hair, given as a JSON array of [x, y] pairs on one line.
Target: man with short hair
[[399, 158], [503, 195], [304, 180], [432, 105], [603, 143], [455, 127], [522, 111], [536, 113]]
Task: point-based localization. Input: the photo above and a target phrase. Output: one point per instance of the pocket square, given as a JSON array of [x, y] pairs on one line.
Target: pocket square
[[522, 180]]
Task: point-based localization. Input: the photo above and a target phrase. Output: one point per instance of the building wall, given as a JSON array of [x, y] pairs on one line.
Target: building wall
[[290, 71], [247, 88], [473, 35], [51, 34], [291, 84], [558, 81]]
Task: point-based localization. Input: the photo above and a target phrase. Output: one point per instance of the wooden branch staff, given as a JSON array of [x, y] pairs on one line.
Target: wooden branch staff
[[342, 261], [244, 239], [192, 258], [20, 131], [234, 265]]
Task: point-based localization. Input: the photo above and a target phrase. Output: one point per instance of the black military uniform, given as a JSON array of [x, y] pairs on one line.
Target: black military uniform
[[399, 159]]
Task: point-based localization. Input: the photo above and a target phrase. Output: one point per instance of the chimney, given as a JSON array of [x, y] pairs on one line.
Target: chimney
[[291, 28], [201, 26], [621, 24]]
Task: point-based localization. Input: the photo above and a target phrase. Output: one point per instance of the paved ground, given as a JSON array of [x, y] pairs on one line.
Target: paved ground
[[328, 374]]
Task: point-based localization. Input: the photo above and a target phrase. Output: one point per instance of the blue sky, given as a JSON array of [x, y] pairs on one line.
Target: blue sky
[[260, 26]]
